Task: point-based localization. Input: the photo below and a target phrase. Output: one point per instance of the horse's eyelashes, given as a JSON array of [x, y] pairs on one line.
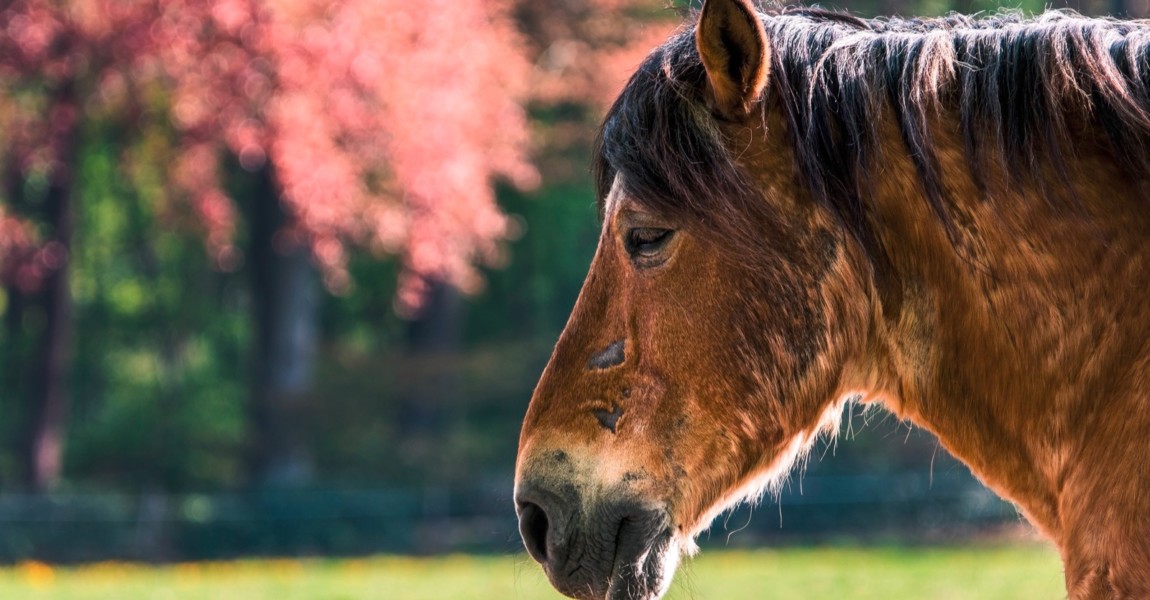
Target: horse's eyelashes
[[643, 240], [648, 235], [647, 242]]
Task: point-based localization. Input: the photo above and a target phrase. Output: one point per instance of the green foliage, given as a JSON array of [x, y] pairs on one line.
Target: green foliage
[[161, 345], [160, 340], [532, 295]]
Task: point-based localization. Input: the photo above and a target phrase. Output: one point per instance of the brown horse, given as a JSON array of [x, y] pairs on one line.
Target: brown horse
[[947, 217]]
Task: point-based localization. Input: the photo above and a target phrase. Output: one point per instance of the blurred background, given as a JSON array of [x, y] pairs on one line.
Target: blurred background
[[279, 278]]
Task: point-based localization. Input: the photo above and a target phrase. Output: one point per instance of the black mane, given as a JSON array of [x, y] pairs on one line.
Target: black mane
[[1013, 83]]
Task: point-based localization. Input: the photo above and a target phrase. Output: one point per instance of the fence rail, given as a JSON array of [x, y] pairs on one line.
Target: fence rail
[[71, 527]]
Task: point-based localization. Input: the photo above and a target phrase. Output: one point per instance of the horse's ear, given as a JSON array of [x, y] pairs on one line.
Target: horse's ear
[[735, 52]]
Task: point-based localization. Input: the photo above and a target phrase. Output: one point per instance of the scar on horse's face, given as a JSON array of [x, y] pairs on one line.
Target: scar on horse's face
[[610, 356]]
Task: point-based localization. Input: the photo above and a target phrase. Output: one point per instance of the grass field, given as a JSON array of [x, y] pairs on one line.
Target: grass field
[[983, 573]]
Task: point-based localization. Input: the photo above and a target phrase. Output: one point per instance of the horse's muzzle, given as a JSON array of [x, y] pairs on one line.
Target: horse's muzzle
[[604, 549]]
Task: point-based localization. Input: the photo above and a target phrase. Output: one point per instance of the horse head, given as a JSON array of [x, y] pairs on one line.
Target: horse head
[[714, 335]]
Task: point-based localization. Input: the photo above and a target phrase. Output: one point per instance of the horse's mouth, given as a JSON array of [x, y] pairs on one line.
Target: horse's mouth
[[643, 564], [621, 550]]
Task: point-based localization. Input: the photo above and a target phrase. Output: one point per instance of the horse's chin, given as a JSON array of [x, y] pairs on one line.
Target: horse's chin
[[647, 574]]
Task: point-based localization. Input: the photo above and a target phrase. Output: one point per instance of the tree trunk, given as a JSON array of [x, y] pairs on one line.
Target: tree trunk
[[432, 382], [13, 350], [285, 301], [48, 402]]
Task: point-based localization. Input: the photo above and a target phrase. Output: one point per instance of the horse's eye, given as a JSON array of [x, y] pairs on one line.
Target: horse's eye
[[646, 242]]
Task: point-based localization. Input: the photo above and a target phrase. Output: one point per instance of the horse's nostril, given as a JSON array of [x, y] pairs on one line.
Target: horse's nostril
[[533, 527]]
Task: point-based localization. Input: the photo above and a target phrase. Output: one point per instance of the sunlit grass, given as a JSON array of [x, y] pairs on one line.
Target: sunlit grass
[[984, 573]]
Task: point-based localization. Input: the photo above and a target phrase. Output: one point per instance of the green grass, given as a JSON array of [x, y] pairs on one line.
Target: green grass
[[984, 573]]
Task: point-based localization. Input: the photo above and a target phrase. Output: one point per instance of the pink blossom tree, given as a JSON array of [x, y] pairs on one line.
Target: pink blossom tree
[[384, 124], [372, 124], [378, 125]]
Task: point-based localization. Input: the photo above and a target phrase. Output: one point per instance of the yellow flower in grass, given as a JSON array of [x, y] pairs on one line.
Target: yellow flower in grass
[[36, 573]]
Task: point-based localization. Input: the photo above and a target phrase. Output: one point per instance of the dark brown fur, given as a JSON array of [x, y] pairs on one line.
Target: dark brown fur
[[945, 216]]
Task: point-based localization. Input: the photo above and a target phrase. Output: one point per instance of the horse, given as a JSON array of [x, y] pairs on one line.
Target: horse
[[801, 210]]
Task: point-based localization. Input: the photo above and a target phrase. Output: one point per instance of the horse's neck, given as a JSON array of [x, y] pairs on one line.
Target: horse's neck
[[1018, 322]]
